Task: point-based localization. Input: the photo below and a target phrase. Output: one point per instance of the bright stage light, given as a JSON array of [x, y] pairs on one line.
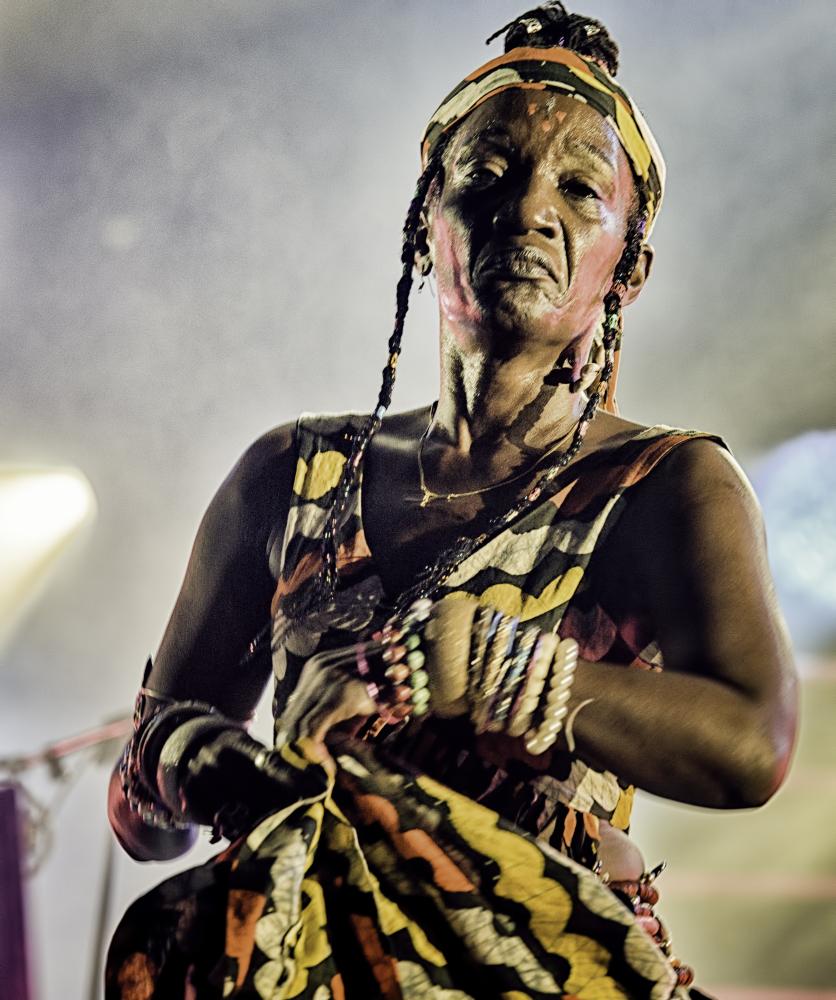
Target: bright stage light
[[41, 511]]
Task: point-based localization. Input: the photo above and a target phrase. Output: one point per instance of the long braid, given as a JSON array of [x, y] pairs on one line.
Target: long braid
[[613, 321], [323, 590]]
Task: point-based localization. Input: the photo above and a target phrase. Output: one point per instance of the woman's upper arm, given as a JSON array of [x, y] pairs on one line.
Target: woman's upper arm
[[225, 597], [700, 554]]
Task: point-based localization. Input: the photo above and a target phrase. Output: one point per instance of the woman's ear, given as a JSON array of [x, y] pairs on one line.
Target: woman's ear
[[641, 272], [423, 257]]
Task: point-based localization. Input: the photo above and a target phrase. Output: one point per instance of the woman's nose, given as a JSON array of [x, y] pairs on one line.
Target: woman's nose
[[530, 207]]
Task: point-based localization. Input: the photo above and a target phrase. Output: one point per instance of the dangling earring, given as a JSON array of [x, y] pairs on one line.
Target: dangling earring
[[591, 371]]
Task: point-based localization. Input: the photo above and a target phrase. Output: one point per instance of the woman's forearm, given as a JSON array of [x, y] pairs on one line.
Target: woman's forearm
[[677, 735], [694, 737]]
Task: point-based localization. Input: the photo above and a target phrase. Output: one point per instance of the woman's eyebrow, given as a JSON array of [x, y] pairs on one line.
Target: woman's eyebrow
[[493, 135], [591, 150]]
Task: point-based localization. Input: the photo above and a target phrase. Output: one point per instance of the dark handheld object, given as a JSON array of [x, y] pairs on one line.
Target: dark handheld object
[[188, 765]]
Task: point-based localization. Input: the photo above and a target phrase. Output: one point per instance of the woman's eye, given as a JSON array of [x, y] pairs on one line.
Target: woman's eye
[[483, 173], [578, 189]]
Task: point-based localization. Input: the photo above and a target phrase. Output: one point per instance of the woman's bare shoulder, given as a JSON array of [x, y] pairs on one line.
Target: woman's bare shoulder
[[270, 457], [694, 507], [405, 423], [251, 504]]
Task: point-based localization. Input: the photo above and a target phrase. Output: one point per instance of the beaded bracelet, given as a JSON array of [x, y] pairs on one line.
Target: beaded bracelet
[[507, 693], [539, 666], [479, 653], [141, 798], [495, 654], [497, 661], [404, 658], [560, 685], [507, 673], [485, 623]]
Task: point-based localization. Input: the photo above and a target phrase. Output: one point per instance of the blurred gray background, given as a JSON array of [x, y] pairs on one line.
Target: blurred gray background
[[200, 214]]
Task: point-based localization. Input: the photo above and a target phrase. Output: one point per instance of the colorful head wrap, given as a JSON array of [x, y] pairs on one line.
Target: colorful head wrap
[[567, 73]]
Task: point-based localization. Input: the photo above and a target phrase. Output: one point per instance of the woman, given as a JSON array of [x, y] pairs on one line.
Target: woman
[[491, 618]]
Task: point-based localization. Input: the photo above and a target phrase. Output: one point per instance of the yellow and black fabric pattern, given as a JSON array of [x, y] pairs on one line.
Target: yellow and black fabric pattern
[[384, 885], [568, 73], [537, 568], [414, 870]]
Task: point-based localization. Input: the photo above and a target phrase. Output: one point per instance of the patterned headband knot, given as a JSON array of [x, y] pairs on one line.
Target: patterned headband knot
[[575, 76]]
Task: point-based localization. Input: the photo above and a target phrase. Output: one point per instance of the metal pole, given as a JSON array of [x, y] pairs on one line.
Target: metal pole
[[99, 941], [14, 972]]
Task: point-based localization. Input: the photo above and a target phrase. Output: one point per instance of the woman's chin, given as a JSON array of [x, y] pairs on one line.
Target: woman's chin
[[538, 291], [527, 310]]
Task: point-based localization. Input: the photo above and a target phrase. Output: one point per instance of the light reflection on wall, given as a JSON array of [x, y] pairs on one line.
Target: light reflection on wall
[[41, 511]]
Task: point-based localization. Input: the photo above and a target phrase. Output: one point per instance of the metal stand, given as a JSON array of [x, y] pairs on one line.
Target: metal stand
[[94, 991], [14, 973], [16, 807]]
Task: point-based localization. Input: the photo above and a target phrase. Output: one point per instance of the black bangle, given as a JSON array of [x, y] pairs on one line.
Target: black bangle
[[187, 737], [136, 773]]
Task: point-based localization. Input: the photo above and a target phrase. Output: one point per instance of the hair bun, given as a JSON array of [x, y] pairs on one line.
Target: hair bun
[[552, 25]]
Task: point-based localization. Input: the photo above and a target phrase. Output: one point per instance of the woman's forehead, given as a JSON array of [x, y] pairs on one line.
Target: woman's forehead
[[519, 116]]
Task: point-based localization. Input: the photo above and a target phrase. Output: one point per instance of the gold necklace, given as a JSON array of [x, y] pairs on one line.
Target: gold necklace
[[428, 495]]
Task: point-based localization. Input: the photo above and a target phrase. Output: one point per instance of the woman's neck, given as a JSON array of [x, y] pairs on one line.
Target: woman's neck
[[491, 407]]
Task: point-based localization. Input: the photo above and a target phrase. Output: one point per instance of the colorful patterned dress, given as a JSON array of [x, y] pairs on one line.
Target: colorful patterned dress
[[414, 870]]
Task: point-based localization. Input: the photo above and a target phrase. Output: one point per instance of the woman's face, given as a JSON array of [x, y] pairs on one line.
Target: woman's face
[[529, 222]]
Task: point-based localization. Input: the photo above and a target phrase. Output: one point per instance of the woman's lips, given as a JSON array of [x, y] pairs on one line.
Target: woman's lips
[[517, 264]]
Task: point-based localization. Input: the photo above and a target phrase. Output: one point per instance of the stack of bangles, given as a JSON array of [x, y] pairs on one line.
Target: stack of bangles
[[150, 709], [519, 679]]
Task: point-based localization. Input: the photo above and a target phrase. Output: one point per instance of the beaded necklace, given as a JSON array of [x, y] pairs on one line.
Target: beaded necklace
[[433, 574]]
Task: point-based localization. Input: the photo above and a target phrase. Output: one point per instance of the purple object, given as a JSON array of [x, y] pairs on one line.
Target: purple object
[[13, 970]]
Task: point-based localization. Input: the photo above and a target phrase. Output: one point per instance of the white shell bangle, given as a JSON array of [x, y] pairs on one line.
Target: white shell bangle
[[557, 699], [543, 657]]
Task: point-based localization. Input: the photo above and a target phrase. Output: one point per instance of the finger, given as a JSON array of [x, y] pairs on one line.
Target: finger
[[648, 893], [650, 924]]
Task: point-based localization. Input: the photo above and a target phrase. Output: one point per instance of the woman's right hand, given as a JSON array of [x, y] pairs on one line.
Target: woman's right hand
[[233, 780], [325, 697]]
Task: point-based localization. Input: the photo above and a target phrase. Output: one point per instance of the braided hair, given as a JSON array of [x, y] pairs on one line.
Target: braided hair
[[325, 584], [542, 27], [551, 25]]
